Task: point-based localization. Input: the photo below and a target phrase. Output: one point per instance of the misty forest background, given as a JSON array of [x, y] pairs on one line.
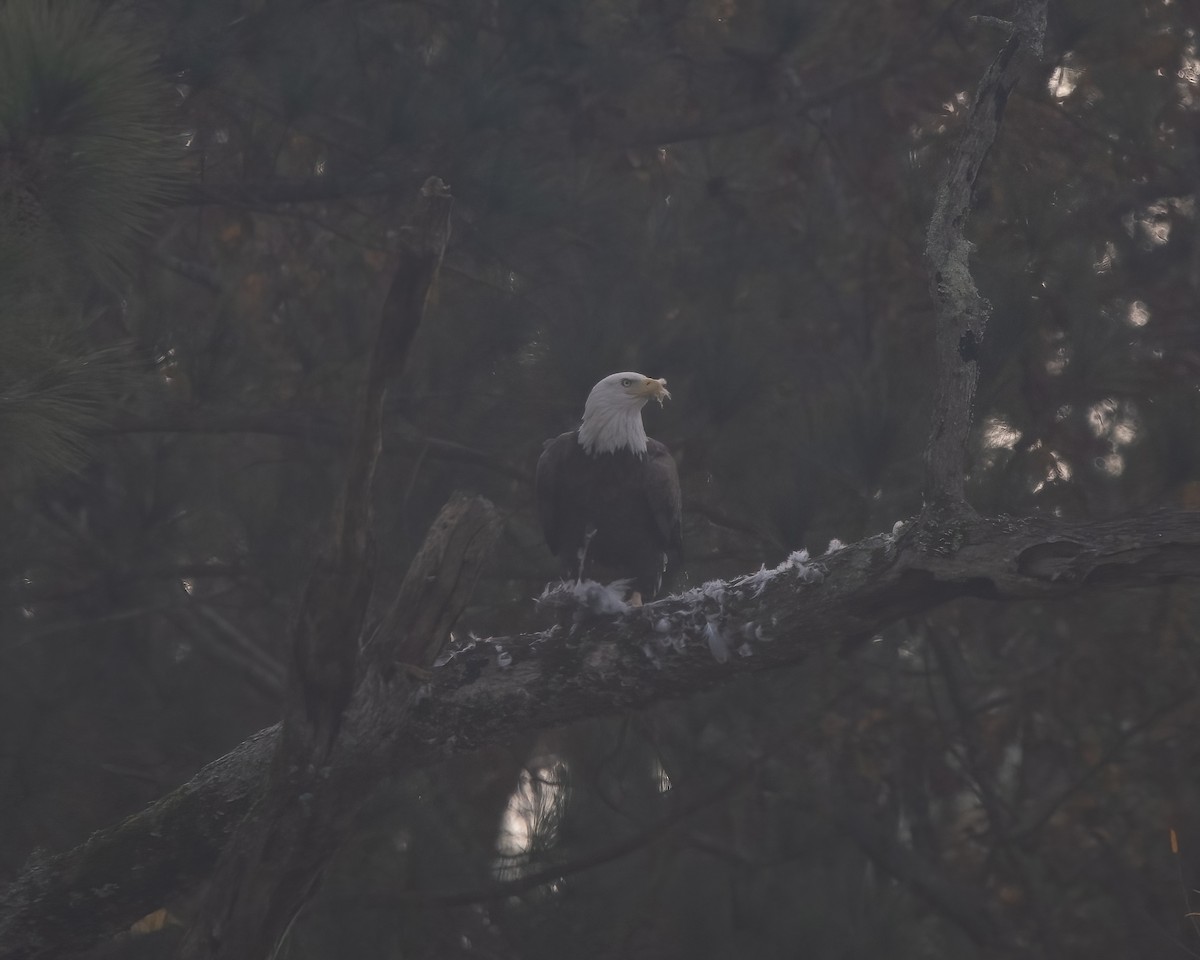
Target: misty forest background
[[197, 204]]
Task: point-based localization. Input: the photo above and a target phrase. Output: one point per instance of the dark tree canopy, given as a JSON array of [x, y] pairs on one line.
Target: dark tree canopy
[[224, 272]]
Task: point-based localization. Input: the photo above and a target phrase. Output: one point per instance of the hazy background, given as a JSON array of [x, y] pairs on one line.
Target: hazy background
[[196, 204]]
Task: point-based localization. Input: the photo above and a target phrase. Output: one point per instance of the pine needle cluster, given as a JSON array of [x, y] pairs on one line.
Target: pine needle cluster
[[85, 166]]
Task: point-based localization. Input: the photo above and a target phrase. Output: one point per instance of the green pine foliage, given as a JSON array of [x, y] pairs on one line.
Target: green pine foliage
[[85, 167], [55, 399], [84, 158]]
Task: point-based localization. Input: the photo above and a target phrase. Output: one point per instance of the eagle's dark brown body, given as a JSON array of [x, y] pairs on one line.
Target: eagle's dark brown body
[[630, 500]]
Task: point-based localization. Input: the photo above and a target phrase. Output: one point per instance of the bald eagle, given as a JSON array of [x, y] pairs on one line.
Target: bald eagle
[[608, 495]]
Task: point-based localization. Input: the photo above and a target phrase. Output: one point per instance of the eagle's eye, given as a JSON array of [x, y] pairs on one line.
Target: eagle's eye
[[625, 382]]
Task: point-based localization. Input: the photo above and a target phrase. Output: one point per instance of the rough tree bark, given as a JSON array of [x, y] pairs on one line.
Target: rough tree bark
[[348, 721], [961, 314]]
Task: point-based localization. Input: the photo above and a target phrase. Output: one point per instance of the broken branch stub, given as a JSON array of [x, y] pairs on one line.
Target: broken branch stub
[[437, 586]]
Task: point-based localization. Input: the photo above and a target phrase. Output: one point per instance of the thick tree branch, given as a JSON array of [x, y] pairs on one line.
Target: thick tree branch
[[961, 313], [493, 689]]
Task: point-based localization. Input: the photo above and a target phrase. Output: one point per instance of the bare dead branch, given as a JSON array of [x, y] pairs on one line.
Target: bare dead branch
[[200, 273]]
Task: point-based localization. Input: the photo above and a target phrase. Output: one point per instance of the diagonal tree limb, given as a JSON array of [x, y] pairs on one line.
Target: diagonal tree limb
[[494, 689]]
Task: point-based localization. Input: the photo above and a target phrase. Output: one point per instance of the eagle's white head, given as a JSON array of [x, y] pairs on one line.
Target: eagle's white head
[[612, 416]]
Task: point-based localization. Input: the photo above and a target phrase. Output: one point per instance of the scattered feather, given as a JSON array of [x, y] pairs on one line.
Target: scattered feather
[[798, 563], [717, 645], [596, 598], [757, 582], [543, 636]]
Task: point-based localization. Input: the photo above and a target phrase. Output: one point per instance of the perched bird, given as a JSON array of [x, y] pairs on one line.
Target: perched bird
[[608, 495]]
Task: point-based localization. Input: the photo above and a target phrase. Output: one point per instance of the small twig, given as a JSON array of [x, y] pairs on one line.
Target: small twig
[[998, 812], [271, 668], [199, 273], [952, 899], [1036, 818], [656, 832], [224, 648]]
